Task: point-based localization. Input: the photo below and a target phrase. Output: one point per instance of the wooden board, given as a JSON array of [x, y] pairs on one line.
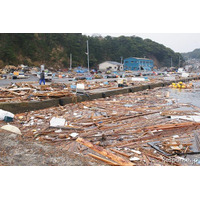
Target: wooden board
[[105, 152]]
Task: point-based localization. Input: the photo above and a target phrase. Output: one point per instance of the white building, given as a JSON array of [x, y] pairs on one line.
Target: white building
[[111, 66]]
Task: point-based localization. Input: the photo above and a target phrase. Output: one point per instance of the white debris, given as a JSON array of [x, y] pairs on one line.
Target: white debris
[[73, 135], [58, 131], [4, 113], [135, 151], [134, 158], [137, 79], [57, 121], [193, 118], [12, 129]]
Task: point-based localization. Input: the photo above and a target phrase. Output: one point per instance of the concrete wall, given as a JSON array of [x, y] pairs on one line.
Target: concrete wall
[[37, 105]]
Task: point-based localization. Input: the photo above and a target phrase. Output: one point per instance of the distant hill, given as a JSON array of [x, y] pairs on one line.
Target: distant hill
[[194, 54], [53, 49]]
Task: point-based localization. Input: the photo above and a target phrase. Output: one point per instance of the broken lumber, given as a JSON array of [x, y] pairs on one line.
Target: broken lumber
[[163, 127], [104, 152], [121, 153], [103, 159]]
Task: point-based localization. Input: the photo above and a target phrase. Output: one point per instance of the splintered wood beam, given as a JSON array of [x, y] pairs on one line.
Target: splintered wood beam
[[150, 154], [146, 159], [166, 129], [171, 126], [105, 152], [121, 153], [103, 159]]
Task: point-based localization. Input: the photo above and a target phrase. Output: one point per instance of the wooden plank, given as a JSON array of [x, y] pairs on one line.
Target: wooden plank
[[149, 154], [121, 153], [171, 126], [163, 127], [103, 159], [153, 156], [105, 152], [146, 159], [67, 128]]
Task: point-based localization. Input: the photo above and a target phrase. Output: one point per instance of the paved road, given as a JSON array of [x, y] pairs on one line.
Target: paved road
[[6, 82]]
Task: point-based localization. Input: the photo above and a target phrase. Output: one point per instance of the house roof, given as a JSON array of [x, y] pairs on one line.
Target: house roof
[[112, 62], [138, 58]]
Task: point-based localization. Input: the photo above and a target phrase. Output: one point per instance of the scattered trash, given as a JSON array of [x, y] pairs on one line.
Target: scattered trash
[[134, 158], [57, 122], [138, 79], [193, 118], [128, 105], [4, 114], [135, 151], [8, 119], [119, 128], [73, 135], [11, 128], [58, 131]]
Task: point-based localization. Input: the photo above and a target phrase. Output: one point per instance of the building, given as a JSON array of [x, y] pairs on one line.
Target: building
[[135, 64], [110, 66]]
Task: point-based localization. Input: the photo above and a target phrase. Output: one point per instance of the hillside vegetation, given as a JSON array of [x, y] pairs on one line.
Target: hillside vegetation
[[194, 54], [53, 49]]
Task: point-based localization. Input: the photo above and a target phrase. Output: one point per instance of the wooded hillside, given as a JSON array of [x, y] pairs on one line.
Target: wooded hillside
[[194, 54], [53, 49]]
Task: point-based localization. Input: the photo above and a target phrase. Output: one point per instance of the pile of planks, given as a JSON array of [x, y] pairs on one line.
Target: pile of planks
[[114, 131]]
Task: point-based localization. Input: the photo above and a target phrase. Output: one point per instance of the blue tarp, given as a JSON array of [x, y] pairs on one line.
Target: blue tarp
[[81, 70]]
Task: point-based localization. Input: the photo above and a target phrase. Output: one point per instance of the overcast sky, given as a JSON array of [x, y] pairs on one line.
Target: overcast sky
[[171, 23], [179, 42]]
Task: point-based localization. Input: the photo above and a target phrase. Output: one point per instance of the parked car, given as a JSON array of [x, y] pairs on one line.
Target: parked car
[[80, 78], [112, 76], [19, 75]]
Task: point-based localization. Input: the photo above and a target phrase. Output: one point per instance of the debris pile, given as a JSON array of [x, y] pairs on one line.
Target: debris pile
[[181, 85], [128, 129], [18, 92]]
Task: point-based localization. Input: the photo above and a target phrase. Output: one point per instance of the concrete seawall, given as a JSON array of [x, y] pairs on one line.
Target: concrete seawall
[[37, 105]]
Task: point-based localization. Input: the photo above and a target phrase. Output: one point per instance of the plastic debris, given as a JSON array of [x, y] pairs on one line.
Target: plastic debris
[[11, 128], [4, 114]]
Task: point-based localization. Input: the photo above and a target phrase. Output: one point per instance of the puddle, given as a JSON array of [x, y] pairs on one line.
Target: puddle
[[186, 96]]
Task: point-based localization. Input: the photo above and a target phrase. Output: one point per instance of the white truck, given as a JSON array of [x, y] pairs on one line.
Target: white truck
[[47, 75]]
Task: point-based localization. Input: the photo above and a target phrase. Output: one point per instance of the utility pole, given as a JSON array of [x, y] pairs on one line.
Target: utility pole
[[70, 61], [121, 59], [179, 62], [171, 62], [88, 56]]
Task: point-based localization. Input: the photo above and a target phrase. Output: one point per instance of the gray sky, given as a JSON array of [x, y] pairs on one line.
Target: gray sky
[[179, 42]]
